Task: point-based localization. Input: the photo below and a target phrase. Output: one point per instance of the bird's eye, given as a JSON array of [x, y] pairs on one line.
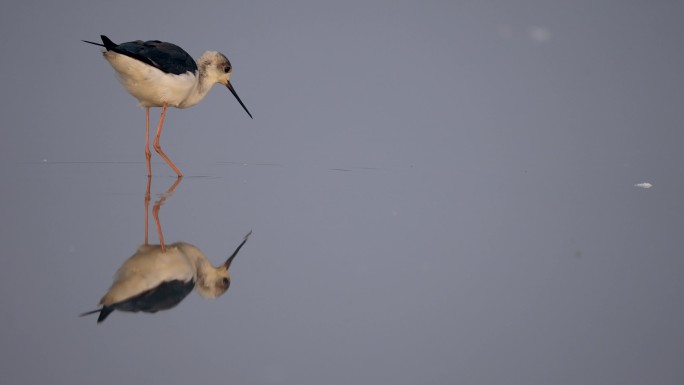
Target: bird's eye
[[226, 281], [226, 69]]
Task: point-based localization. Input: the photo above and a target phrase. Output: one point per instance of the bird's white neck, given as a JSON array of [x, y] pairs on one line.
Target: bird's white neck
[[198, 92], [206, 76], [196, 257], [206, 275]]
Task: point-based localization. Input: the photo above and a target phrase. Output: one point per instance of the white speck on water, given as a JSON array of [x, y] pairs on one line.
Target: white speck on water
[[644, 185], [539, 34]]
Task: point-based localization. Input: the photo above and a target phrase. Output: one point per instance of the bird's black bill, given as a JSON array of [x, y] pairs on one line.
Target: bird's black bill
[[230, 260], [232, 90]]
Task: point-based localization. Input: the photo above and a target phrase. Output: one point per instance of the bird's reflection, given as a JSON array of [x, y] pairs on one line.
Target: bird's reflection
[[159, 277]]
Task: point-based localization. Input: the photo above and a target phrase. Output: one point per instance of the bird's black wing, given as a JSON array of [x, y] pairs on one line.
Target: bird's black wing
[[166, 57], [163, 297]]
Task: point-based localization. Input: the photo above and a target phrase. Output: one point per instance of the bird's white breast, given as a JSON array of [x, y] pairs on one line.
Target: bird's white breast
[[151, 86]]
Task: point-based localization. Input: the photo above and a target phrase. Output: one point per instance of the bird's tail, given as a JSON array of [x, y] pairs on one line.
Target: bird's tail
[[108, 44], [104, 313], [93, 43]]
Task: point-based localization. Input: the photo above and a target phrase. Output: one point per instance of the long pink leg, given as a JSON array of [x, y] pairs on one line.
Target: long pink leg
[[148, 154], [156, 145], [147, 205]]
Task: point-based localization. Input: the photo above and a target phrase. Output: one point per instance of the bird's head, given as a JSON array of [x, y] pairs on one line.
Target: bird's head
[[214, 281], [217, 67]]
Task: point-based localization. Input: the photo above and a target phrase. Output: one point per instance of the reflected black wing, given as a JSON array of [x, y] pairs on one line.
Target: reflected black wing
[[163, 297], [167, 57]]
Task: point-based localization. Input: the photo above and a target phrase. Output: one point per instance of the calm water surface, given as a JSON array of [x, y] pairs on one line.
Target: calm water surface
[[439, 193], [399, 273]]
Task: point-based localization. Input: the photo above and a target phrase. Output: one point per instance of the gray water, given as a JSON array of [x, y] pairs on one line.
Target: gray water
[[439, 193]]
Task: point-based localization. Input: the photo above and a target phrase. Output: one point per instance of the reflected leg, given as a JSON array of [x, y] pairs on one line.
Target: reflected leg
[[147, 205], [155, 214], [157, 206]]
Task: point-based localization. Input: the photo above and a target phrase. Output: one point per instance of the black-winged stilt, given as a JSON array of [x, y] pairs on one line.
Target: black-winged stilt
[[162, 74], [153, 279]]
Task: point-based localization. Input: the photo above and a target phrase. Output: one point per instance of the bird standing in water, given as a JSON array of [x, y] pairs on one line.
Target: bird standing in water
[[161, 74]]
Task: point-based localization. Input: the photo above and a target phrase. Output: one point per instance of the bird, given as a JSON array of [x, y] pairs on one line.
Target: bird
[[161, 74], [152, 280]]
